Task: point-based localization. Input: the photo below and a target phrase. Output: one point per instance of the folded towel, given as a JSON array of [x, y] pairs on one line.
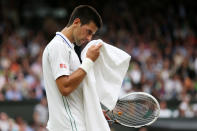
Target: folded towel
[[102, 84]]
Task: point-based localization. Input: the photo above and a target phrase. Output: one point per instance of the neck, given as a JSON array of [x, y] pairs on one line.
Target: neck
[[67, 31]]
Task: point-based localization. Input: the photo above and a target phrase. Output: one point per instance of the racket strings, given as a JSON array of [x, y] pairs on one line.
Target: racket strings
[[128, 119], [132, 118], [136, 110], [143, 100], [150, 105], [126, 109]]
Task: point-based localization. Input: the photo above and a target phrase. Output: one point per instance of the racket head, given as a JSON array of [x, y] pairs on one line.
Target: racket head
[[136, 109]]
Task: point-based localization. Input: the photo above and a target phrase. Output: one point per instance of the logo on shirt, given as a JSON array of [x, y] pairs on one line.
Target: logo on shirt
[[63, 66]]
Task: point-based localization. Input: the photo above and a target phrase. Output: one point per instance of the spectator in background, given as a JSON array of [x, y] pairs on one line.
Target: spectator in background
[[4, 122], [165, 72], [23, 125], [185, 109], [194, 108], [40, 114], [7, 124], [2, 96], [13, 125], [135, 76], [164, 111], [13, 94]]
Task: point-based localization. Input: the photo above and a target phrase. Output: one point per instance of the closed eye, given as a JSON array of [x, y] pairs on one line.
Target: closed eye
[[89, 32]]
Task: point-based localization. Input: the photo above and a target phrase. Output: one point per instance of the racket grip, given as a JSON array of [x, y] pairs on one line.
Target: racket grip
[[111, 122], [106, 116]]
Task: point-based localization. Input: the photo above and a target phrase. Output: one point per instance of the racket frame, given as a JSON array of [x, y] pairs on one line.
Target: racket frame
[[136, 93]]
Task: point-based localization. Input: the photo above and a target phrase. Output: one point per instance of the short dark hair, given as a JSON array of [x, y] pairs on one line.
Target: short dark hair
[[86, 14]]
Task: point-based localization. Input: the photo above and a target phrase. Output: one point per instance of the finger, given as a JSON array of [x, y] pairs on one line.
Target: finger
[[99, 45], [92, 46]]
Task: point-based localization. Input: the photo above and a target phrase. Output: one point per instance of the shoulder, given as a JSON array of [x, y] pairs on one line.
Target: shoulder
[[57, 44]]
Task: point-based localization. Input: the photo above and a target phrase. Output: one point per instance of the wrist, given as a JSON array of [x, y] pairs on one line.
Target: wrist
[[87, 64]]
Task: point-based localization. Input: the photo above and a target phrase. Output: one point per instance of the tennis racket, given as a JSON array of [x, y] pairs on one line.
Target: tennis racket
[[135, 110]]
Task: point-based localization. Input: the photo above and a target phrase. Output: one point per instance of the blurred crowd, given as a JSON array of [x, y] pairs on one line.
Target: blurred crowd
[[17, 123], [161, 41], [164, 57]]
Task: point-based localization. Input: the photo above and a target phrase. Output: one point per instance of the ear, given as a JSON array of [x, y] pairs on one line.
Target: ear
[[77, 21]]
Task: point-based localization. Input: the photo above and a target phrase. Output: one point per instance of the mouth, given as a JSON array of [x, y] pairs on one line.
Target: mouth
[[83, 41]]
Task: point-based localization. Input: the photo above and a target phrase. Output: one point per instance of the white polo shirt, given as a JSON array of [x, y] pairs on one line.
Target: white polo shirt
[[65, 113]]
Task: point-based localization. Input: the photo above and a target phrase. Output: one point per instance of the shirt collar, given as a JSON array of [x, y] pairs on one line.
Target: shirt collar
[[66, 40]]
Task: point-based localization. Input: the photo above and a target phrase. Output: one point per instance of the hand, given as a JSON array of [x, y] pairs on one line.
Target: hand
[[93, 52]]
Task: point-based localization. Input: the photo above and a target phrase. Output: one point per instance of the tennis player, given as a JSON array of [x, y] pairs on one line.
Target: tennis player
[[63, 72]]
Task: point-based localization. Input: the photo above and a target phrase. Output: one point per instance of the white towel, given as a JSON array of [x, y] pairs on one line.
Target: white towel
[[103, 83]]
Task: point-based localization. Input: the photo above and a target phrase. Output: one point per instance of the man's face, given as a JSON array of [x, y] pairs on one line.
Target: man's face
[[83, 34]]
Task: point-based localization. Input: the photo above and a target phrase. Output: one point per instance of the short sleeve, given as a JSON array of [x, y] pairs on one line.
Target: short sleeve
[[59, 56]]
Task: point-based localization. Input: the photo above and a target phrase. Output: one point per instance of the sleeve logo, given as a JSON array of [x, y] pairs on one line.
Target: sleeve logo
[[63, 66]]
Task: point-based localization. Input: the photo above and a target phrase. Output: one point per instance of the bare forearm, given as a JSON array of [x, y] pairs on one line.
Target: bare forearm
[[75, 79], [68, 84]]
